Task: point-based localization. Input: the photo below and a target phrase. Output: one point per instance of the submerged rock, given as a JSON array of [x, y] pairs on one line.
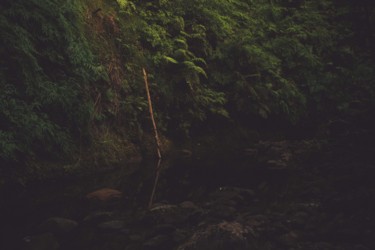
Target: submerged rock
[[104, 195], [97, 217], [58, 225], [167, 214], [113, 225], [222, 236]]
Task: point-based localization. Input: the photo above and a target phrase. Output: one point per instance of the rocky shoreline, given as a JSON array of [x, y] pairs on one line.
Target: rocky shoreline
[[318, 201]]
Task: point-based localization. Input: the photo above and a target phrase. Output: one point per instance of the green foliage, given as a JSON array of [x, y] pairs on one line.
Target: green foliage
[[243, 59], [207, 61], [122, 3], [177, 75], [46, 62]]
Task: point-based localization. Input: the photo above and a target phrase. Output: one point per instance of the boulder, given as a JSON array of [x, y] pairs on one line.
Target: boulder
[[97, 217], [192, 210], [104, 195], [58, 226], [113, 225], [222, 236], [172, 214], [166, 214]]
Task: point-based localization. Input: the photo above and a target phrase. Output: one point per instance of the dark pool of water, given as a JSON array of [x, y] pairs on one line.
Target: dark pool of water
[[180, 179]]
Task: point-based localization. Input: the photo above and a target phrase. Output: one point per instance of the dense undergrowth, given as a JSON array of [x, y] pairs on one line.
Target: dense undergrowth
[[71, 71]]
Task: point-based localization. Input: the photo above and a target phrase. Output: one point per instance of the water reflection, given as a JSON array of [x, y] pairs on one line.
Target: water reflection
[[156, 180]]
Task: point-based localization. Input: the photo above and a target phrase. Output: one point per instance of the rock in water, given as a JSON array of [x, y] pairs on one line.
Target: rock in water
[[104, 195], [97, 217], [222, 236], [58, 226], [113, 225]]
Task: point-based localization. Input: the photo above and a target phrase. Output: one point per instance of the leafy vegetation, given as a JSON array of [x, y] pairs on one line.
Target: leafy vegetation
[[46, 61], [68, 67]]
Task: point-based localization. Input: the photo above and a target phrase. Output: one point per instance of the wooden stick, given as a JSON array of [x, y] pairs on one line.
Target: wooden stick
[[157, 173], [152, 114]]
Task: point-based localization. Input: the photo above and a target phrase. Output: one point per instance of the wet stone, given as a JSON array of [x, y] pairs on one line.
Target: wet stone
[[104, 199], [224, 212], [58, 225], [104, 195], [167, 214], [97, 217], [256, 220], [222, 236], [188, 205], [114, 225], [193, 211], [300, 221], [161, 207], [228, 196]]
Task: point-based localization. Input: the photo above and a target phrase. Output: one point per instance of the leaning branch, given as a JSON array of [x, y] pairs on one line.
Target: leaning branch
[[157, 140]]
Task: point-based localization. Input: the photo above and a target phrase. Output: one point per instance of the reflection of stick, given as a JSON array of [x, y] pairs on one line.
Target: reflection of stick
[[152, 114], [155, 184]]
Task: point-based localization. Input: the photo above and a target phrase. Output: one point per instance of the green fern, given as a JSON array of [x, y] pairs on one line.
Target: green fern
[[170, 59], [191, 68]]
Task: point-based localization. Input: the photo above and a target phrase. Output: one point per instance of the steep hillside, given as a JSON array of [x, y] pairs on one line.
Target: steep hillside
[[72, 91]]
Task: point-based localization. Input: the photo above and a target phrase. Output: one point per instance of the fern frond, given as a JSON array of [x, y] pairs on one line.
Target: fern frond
[[170, 59], [181, 43], [192, 68]]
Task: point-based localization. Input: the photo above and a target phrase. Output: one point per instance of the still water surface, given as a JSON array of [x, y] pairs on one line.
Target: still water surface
[[176, 180]]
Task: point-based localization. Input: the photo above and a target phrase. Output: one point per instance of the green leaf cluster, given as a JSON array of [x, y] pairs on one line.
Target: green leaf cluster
[[246, 60], [66, 66], [46, 62]]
